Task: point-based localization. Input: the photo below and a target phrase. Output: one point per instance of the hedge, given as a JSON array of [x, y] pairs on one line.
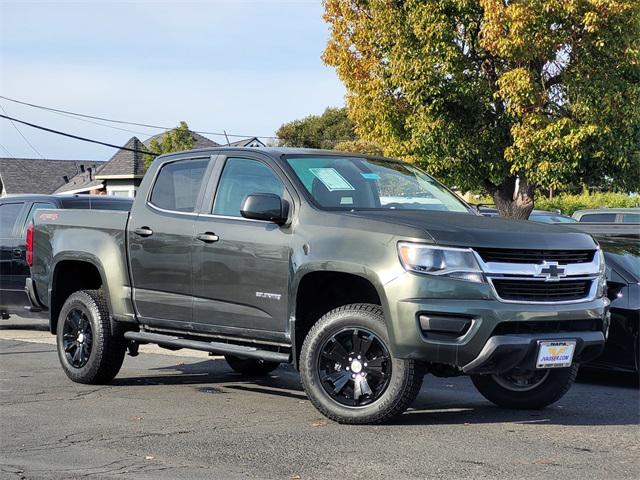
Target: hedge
[[568, 204]]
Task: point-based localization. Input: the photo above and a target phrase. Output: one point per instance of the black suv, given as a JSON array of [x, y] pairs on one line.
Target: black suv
[[16, 213]]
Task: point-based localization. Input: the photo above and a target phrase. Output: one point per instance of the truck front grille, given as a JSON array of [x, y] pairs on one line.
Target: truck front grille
[[541, 291], [535, 256]]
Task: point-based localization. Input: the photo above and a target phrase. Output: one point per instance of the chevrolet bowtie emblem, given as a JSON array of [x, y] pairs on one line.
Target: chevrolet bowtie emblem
[[550, 271]]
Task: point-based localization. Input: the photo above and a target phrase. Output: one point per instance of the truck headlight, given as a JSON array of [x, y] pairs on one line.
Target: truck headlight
[[602, 274], [458, 263]]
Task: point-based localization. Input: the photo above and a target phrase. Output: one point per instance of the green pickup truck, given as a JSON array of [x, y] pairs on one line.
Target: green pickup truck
[[363, 272]]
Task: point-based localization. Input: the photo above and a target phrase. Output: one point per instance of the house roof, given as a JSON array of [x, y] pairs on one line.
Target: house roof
[[247, 142], [198, 140], [83, 181], [125, 163], [28, 175]]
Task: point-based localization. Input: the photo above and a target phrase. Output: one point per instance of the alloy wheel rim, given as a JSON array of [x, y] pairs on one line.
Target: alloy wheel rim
[[354, 367], [522, 381], [77, 338]]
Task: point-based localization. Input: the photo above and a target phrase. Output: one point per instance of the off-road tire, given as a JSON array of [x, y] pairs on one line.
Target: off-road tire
[[406, 375], [552, 389], [250, 366], [107, 352]]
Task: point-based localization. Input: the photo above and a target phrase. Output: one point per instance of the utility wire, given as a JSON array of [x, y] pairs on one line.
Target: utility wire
[[7, 151], [42, 107], [137, 132], [146, 125], [21, 134], [84, 139]]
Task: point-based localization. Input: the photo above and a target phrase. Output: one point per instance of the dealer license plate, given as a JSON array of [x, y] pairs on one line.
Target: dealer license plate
[[555, 353]]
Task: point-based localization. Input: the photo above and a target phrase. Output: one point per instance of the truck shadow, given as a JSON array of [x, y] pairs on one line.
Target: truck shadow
[[451, 401]]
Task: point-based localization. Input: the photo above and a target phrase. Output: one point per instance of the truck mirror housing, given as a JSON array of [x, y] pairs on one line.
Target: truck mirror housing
[[265, 206]]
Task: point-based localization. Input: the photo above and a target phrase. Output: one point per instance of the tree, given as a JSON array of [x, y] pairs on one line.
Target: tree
[[504, 96], [318, 131], [176, 140]]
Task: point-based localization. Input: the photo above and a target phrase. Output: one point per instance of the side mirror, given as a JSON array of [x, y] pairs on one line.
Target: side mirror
[[265, 206]]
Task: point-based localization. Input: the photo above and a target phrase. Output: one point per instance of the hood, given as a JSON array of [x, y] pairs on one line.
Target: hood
[[468, 230]]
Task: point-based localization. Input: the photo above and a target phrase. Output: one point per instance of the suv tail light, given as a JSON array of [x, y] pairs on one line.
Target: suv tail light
[[29, 245]]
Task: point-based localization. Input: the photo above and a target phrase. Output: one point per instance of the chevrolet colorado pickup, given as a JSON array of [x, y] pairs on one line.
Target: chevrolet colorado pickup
[[363, 272]]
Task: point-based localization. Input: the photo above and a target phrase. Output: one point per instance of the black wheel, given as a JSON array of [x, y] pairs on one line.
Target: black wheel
[[348, 371], [250, 366], [526, 389], [87, 351]]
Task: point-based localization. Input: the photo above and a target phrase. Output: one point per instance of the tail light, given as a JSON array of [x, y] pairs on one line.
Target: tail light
[[29, 245]]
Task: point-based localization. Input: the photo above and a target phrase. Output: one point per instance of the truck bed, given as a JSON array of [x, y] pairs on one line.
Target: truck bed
[[71, 235]]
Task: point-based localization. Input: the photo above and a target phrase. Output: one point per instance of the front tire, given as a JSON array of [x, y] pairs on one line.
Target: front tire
[[532, 390], [348, 372], [87, 350]]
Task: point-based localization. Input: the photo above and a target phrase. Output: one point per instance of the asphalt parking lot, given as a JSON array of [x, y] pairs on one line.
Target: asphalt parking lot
[[190, 416]]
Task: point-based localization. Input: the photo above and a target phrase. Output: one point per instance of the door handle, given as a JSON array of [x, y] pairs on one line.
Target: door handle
[[17, 253], [143, 231], [208, 237]]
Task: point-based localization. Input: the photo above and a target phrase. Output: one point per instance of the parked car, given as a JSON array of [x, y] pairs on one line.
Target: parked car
[[362, 272], [16, 213], [543, 216], [608, 215], [540, 216], [622, 351]]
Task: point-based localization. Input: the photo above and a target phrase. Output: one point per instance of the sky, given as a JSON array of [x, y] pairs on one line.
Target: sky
[[244, 66]]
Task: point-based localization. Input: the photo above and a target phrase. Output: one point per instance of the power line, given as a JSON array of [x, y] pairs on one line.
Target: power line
[[21, 134], [84, 139], [124, 122], [137, 132], [7, 151]]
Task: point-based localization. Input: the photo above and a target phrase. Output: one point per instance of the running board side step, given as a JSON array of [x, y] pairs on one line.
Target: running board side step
[[213, 347]]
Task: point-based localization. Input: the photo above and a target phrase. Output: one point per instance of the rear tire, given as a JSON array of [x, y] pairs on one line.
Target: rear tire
[[87, 350], [505, 392], [250, 366], [348, 372]]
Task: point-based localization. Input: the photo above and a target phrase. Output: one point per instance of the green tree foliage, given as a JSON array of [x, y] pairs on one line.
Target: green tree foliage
[[359, 146], [502, 96], [318, 131], [176, 140]]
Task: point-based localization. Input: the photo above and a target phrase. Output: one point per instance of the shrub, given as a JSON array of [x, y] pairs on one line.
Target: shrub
[[568, 204]]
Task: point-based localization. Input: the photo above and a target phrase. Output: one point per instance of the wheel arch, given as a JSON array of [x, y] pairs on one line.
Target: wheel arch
[[69, 274], [318, 291]]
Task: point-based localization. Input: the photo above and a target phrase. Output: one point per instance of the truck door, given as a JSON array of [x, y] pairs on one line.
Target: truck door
[[241, 266], [11, 253], [160, 235]]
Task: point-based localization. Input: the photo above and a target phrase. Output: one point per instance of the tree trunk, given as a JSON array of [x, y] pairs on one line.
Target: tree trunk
[[514, 199]]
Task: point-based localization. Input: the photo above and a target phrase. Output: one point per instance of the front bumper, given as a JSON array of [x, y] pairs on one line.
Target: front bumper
[[487, 335], [504, 352]]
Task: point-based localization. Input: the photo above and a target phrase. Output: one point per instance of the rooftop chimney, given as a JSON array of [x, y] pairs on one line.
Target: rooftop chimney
[[65, 178], [82, 168]]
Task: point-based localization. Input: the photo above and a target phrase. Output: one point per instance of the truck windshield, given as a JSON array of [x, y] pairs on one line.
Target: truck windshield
[[352, 183]]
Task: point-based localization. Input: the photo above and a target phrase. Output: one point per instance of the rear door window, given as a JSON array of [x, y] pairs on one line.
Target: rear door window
[[178, 184], [631, 218], [9, 213], [598, 217]]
